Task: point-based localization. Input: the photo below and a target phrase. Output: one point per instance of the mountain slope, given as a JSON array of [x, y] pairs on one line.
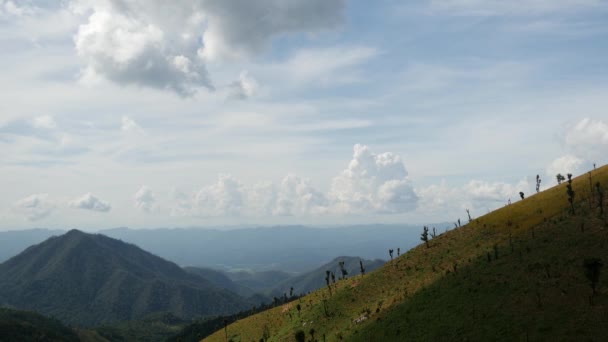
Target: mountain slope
[[515, 274], [86, 279]]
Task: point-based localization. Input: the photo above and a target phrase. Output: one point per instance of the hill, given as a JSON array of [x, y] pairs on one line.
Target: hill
[[84, 279], [28, 326], [523, 272]]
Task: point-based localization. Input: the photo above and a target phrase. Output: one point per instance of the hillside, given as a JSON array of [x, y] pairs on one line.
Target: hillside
[[28, 326], [517, 273], [85, 279]]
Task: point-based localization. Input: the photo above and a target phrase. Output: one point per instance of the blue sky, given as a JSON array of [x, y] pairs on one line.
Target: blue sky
[[206, 112]]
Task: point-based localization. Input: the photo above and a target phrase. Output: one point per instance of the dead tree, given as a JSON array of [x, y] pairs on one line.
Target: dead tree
[[425, 236]]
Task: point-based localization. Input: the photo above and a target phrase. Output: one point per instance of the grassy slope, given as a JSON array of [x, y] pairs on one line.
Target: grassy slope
[[538, 289]]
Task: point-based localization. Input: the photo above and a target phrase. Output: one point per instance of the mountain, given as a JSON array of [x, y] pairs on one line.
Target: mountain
[[221, 280], [530, 271], [86, 279]]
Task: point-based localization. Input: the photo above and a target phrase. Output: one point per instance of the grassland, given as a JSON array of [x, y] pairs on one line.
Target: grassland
[[514, 274]]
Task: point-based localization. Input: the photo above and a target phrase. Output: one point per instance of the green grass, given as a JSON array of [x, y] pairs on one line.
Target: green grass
[[535, 290]]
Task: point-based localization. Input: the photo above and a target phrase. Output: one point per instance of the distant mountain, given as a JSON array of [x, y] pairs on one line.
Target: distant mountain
[[315, 279], [14, 242], [262, 281], [221, 280], [285, 248], [86, 279]]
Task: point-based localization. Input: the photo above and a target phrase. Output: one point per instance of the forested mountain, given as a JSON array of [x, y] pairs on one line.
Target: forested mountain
[[86, 279]]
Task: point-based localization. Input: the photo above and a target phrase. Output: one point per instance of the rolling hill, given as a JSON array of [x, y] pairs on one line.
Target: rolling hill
[[84, 279], [523, 272]]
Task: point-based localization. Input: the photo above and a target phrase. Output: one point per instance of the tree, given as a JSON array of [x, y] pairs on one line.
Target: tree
[[425, 236], [361, 267], [521, 194], [300, 336], [398, 251], [390, 252], [560, 178], [469, 215], [592, 271], [434, 233], [343, 270], [570, 193], [538, 181], [299, 308]]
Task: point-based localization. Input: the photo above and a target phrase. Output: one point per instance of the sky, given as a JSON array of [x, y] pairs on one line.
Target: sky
[[200, 113]]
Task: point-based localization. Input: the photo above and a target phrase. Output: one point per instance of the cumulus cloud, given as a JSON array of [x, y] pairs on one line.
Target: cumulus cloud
[[564, 165], [243, 88], [35, 207], [145, 200], [90, 202], [588, 139], [224, 198], [44, 122], [373, 184], [296, 196], [165, 45]]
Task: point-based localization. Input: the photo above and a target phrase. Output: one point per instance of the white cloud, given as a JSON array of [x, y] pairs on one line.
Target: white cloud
[[564, 165], [164, 45], [44, 122], [90, 202], [145, 200], [35, 207], [297, 197], [129, 42], [588, 139], [243, 88], [224, 198], [373, 184]]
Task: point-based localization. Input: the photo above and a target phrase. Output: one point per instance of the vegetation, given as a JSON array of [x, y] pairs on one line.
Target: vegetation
[[540, 288], [28, 326]]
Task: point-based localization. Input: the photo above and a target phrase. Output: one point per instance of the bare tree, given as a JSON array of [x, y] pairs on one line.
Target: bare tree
[[469, 215], [361, 267], [538, 181], [343, 270], [390, 252]]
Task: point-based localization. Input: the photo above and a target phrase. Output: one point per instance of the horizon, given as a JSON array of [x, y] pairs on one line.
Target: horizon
[[327, 112]]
